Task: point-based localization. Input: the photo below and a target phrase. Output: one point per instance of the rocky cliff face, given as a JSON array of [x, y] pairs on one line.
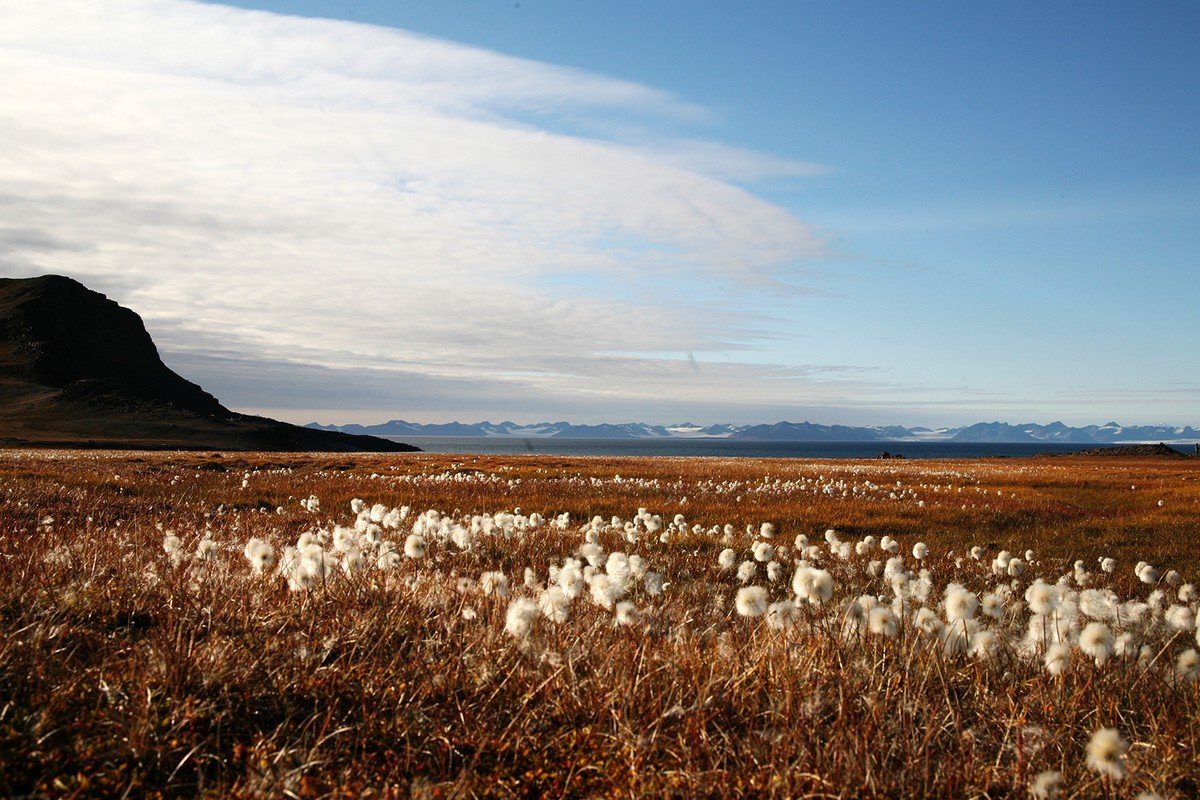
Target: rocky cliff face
[[63, 335], [76, 368]]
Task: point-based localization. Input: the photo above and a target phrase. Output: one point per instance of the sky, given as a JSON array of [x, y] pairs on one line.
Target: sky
[[858, 213]]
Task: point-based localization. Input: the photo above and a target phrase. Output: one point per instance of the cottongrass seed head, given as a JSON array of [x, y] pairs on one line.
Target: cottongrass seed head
[[1106, 753], [751, 601]]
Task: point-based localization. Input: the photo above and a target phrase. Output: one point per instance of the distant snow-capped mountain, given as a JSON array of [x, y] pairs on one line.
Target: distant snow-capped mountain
[[1109, 433]]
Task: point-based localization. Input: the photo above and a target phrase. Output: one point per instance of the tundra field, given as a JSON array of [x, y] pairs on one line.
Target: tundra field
[[425, 625]]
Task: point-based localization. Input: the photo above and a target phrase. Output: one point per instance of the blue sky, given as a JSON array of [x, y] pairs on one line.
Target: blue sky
[[846, 212]]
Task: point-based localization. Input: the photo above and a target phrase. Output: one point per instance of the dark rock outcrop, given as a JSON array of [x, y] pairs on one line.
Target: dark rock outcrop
[[77, 369]]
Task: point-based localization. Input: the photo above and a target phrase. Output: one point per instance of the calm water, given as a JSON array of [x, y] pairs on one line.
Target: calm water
[[726, 448]]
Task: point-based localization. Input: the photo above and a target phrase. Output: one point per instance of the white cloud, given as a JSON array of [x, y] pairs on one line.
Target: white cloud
[[342, 195]]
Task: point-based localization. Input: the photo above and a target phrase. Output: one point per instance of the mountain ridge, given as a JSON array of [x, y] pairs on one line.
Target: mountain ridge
[[981, 432], [79, 370]]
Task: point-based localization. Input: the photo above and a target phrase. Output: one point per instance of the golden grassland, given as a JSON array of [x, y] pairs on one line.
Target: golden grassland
[[122, 674]]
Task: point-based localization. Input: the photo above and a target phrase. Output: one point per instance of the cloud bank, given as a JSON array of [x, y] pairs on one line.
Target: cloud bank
[[270, 190]]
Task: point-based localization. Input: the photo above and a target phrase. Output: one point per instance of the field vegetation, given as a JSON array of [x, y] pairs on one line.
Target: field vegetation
[[415, 625]]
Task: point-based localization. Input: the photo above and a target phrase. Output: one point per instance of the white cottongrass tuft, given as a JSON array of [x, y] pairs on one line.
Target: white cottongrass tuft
[[813, 585], [605, 591], [1058, 658], [1187, 666], [928, 622], [960, 603], [1097, 641], [781, 615], [259, 554], [920, 550], [727, 558], [626, 614], [882, 622], [555, 604], [746, 571], [1041, 597], [520, 616], [763, 551], [1046, 785], [1180, 618], [353, 561], [494, 583], [343, 538], [984, 644], [414, 546], [1106, 753], [992, 606], [751, 601]]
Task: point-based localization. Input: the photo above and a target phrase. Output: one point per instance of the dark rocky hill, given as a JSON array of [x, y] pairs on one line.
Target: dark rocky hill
[[77, 369]]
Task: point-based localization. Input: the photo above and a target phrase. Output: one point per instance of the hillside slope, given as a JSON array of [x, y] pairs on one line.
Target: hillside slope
[[77, 369]]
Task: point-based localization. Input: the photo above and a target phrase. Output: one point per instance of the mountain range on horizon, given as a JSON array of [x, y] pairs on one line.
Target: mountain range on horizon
[[991, 432]]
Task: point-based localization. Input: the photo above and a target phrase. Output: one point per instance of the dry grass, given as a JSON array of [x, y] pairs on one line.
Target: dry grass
[[123, 675]]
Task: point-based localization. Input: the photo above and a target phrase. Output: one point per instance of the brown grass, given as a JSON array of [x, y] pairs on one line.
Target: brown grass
[[123, 676]]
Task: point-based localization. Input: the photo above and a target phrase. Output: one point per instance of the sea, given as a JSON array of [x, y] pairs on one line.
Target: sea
[[728, 448]]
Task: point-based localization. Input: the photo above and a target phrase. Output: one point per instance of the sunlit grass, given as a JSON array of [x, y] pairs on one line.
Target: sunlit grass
[[127, 666]]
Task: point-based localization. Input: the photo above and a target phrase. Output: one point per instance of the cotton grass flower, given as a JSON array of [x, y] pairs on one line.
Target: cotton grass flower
[[881, 622], [554, 604], [173, 547], [781, 615], [1058, 658], [653, 583], [751, 601], [206, 550], [353, 561], [920, 550], [928, 621], [1041, 597], [414, 546], [1046, 785], [1180, 618], [1097, 641], [626, 614], [727, 559], [813, 585], [570, 579], [1106, 753], [992, 605], [494, 583], [746, 571], [387, 556], [1187, 666], [605, 591], [344, 538], [960, 604], [518, 620], [763, 551], [984, 644]]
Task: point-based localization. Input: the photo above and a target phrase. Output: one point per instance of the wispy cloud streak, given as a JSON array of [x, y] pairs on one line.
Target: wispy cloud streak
[[349, 196]]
